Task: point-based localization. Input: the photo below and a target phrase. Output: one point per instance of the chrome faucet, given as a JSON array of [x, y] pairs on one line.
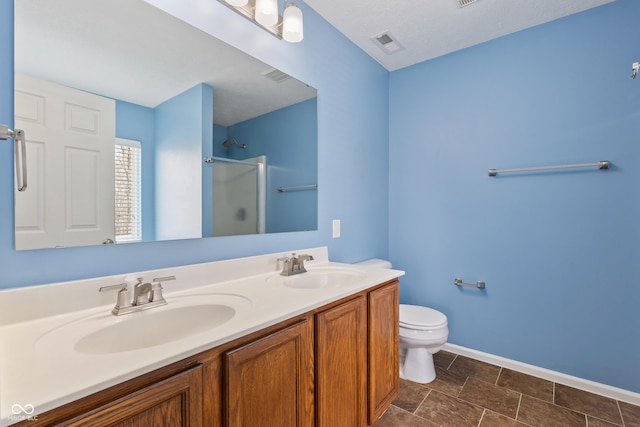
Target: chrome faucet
[[294, 264], [145, 295]]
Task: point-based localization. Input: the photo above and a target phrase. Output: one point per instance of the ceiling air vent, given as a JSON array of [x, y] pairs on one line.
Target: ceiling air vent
[[275, 75], [463, 3], [387, 43]]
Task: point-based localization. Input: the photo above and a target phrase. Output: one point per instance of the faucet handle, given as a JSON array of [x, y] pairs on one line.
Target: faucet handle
[[123, 295], [119, 287], [156, 288], [164, 279], [287, 265]]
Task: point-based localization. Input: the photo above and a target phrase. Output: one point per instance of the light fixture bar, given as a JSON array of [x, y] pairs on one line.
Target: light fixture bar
[[248, 11]]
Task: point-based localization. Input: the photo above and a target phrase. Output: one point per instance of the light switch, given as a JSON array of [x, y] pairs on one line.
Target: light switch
[[336, 228]]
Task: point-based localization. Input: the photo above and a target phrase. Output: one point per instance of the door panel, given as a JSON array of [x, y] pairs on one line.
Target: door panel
[[384, 342], [73, 205], [341, 360], [269, 382]]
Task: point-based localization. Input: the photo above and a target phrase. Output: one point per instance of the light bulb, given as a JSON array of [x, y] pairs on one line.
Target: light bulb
[[267, 12], [237, 3], [292, 25]]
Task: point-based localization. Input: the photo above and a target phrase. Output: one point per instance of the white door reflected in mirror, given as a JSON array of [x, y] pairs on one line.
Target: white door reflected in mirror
[[73, 204]]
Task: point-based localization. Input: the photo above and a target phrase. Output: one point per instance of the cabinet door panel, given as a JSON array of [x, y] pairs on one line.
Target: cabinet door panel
[[341, 361], [269, 382], [384, 363], [176, 401]]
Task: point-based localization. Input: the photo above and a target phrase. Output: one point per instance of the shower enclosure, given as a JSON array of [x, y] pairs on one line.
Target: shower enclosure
[[238, 196]]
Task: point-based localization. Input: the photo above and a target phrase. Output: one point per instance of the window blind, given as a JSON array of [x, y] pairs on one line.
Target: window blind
[[128, 190]]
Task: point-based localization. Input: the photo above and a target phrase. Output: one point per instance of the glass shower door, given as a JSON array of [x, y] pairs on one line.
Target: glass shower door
[[238, 196]]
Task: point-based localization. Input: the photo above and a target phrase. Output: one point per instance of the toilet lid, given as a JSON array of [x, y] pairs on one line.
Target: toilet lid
[[416, 317]]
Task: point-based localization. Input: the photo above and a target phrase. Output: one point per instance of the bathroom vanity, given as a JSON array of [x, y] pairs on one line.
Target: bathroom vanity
[[320, 349]]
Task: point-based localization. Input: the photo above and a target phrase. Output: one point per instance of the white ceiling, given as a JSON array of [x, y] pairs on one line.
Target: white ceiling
[[132, 51], [431, 28]]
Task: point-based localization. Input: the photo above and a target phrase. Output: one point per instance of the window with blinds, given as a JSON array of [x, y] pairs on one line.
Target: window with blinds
[[128, 194]]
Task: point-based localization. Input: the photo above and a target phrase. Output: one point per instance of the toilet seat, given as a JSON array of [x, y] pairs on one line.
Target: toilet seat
[[421, 318]]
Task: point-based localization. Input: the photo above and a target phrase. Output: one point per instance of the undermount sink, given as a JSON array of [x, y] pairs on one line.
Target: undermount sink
[[183, 317], [319, 278]]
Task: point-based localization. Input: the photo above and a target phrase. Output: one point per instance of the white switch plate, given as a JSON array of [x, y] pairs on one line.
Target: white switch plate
[[336, 228]]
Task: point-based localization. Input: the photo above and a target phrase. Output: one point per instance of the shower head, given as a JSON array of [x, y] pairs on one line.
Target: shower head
[[231, 142]]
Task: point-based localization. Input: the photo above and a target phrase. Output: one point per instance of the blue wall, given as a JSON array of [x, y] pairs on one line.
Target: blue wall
[[559, 251], [353, 106], [288, 137], [219, 137], [184, 130], [137, 122]]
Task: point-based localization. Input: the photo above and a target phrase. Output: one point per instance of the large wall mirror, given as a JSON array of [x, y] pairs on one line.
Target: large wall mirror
[[140, 127]]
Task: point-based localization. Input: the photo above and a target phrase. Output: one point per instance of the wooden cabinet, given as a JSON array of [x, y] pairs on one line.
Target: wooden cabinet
[[341, 365], [334, 366], [175, 401], [269, 382], [384, 348], [357, 358]]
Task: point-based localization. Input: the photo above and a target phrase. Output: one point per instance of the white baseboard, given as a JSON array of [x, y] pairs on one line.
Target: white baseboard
[[547, 374]]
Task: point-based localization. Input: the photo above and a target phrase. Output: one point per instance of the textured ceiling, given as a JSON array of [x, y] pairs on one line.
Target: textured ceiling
[[430, 28], [132, 51]]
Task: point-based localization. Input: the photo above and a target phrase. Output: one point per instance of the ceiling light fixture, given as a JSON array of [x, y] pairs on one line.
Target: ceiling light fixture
[[267, 12], [292, 26], [289, 27]]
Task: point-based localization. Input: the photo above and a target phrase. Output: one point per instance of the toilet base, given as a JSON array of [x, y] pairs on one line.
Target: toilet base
[[418, 366]]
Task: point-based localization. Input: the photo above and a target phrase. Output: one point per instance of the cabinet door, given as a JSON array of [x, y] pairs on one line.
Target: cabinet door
[[341, 360], [384, 348], [269, 382], [176, 401]]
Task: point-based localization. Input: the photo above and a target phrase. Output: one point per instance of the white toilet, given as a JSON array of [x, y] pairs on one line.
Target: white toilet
[[423, 332]]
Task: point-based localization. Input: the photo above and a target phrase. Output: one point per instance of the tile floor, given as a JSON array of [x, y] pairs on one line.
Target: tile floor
[[467, 392]]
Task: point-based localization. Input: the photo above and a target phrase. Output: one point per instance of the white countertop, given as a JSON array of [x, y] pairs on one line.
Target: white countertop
[[39, 372]]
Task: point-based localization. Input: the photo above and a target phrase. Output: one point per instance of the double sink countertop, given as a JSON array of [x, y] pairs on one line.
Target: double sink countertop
[[60, 342]]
